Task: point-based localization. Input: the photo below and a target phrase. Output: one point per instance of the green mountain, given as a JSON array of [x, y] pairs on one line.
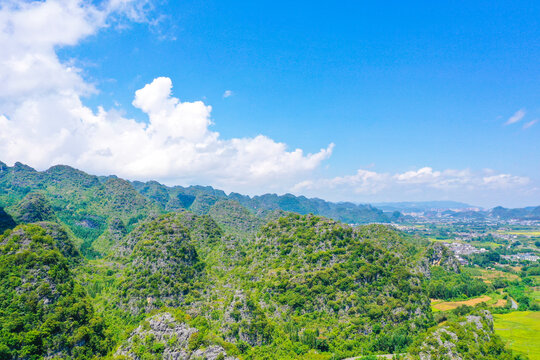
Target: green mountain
[[162, 265], [100, 210], [199, 199], [527, 213], [6, 221], [307, 265], [419, 206], [345, 212], [34, 207], [86, 204]]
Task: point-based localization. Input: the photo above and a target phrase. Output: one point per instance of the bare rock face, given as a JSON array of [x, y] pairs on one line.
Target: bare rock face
[[440, 255], [162, 337], [214, 352]]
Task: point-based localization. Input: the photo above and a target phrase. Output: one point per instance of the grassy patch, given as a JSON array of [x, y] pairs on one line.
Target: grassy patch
[[489, 275], [521, 329], [485, 244]]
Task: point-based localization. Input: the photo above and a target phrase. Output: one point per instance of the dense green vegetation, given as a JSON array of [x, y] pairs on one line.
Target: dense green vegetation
[[200, 199], [6, 221], [99, 267], [162, 266], [85, 203], [322, 272], [43, 310], [449, 286]]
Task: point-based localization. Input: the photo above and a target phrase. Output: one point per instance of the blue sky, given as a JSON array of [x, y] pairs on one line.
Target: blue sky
[[397, 88]]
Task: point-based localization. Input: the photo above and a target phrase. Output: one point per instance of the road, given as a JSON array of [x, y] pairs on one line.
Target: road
[[514, 304]]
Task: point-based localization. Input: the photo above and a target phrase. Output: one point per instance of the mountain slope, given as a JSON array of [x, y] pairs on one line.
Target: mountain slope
[[6, 221], [162, 265], [317, 285], [528, 213], [419, 206], [105, 208], [43, 310], [200, 199], [187, 272], [79, 200]]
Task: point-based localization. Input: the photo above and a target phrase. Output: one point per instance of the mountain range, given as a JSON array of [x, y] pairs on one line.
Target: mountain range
[[103, 268], [103, 203]]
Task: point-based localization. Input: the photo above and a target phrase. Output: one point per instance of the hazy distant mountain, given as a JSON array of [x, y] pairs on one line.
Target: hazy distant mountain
[[420, 206], [527, 213]]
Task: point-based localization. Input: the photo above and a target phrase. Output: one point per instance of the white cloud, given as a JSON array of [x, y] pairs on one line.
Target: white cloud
[[500, 181], [44, 122], [530, 123], [228, 93], [516, 117], [421, 176], [424, 183], [363, 182]]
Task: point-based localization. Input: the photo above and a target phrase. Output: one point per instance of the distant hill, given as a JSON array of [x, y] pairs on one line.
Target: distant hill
[[527, 213], [342, 211], [458, 210], [200, 199]]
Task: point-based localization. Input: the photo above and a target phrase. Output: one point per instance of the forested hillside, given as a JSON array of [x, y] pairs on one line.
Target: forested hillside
[[98, 267], [44, 311], [200, 199]]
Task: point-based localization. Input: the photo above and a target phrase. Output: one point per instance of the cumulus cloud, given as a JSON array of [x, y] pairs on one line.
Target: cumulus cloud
[[228, 93], [520, 114], [44, 122]]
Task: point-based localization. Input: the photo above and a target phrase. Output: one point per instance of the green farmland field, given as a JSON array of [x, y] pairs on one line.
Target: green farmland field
[[521, 329]]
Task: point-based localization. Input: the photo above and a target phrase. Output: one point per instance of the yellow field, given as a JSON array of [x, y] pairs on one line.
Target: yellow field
[[521, 330], [492, 299], [450, 305], [522, 232]]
